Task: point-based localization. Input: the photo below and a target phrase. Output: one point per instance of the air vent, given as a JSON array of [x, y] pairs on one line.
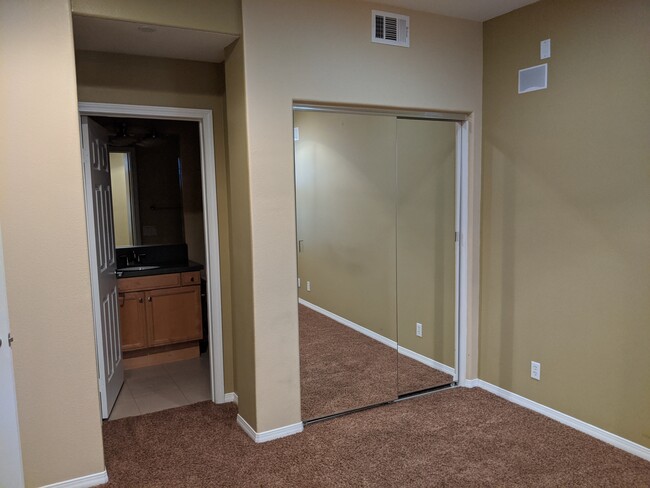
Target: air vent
[[533, 79], [390, 28]]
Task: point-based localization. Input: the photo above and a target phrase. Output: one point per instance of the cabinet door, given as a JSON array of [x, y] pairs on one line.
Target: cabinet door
[[174, 315], [133, 322]]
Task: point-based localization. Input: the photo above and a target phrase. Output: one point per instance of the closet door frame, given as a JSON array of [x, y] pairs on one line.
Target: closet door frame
[[462, 121]]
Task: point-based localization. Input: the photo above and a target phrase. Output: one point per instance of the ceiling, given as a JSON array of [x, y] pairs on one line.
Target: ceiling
[[117, 36], [480, 10]]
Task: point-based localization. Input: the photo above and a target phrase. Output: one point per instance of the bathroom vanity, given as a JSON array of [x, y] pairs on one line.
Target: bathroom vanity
[[160, 309]]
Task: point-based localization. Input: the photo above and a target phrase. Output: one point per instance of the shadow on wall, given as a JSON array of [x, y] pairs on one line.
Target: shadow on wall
[[498, 175]]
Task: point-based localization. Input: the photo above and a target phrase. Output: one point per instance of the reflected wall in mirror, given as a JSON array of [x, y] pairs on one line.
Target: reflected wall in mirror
[[156, 179], [376, 213], [426, 253], [125, 201], [345, 197]]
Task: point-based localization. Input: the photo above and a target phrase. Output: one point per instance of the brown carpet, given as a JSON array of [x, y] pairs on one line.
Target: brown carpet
[[342, 369], [460, 437]]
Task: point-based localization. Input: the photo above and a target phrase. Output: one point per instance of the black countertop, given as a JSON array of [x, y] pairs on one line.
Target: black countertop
[[133, 271]]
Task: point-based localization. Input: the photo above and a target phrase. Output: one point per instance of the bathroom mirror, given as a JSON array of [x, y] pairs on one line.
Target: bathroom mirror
[[152, 201], [376, 214], [152, 162]]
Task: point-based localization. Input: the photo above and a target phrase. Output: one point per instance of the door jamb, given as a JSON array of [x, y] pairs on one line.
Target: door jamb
[[210, 215], [462, 289]]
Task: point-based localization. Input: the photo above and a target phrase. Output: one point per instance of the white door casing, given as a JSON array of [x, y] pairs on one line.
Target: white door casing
[[11, 465], [210, 217], [101, 243]]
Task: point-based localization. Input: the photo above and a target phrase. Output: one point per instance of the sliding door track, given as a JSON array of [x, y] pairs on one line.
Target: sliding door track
[[400, 398]]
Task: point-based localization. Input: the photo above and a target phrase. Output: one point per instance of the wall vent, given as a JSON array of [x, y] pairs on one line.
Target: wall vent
[[533, 79], [388, 28]]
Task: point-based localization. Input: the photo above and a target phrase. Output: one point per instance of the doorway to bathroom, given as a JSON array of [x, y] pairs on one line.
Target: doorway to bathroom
[[153, 246]]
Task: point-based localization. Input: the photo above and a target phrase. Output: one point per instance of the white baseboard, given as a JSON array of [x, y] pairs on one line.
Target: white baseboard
[[470, 383], [601, 434], [269, 435], [231, 398], [432, 363], [82, 482], [341, 320]]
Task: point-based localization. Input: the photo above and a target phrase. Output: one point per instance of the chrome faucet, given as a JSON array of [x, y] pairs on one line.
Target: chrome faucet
[[133, 258]]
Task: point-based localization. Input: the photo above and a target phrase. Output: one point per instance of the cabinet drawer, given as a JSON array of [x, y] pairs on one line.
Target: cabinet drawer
[[149, 282], [191, 278]]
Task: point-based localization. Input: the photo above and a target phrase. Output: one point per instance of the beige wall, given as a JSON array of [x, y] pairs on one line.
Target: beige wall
[[566, 233], [240, 218], [426, 225], [441, 70], [208, 15], [139, 80], [46, 254], [345, 206]]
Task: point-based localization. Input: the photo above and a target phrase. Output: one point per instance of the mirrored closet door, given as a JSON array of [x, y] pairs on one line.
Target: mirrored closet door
[[345, 194], [376, 221], [426, 254]]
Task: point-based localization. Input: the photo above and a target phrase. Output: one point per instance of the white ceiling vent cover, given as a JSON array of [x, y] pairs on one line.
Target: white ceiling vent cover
[[388, 28]]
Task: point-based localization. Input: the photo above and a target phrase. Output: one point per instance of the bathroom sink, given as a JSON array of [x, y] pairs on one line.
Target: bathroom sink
[[138, 268]]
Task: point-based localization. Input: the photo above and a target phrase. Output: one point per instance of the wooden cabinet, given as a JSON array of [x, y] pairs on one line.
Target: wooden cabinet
[[174, 315], [160, 310], [133, 323]]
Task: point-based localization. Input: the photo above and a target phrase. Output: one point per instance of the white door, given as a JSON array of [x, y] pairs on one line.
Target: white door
[[101, 243], [11, 465]]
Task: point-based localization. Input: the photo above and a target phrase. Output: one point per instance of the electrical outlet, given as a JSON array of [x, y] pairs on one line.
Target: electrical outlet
[[298, 282], [535, 370], [308, 286], [418, 329]]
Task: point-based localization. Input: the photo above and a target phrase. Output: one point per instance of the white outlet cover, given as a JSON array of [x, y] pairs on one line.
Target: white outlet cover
[[418, 329], [535, 370]]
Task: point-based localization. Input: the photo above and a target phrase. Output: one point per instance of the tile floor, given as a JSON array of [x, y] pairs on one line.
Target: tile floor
[[161, 387]]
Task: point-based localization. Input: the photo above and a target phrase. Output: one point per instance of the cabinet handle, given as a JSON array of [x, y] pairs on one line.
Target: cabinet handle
[[148, 299], [140, 300], [192, 278]]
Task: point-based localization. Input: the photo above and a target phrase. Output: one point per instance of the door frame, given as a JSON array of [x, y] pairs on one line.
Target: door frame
[[463, 211], [210, 215]]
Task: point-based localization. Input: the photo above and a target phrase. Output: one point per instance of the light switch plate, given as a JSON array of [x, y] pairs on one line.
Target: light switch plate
[[545, 49]]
